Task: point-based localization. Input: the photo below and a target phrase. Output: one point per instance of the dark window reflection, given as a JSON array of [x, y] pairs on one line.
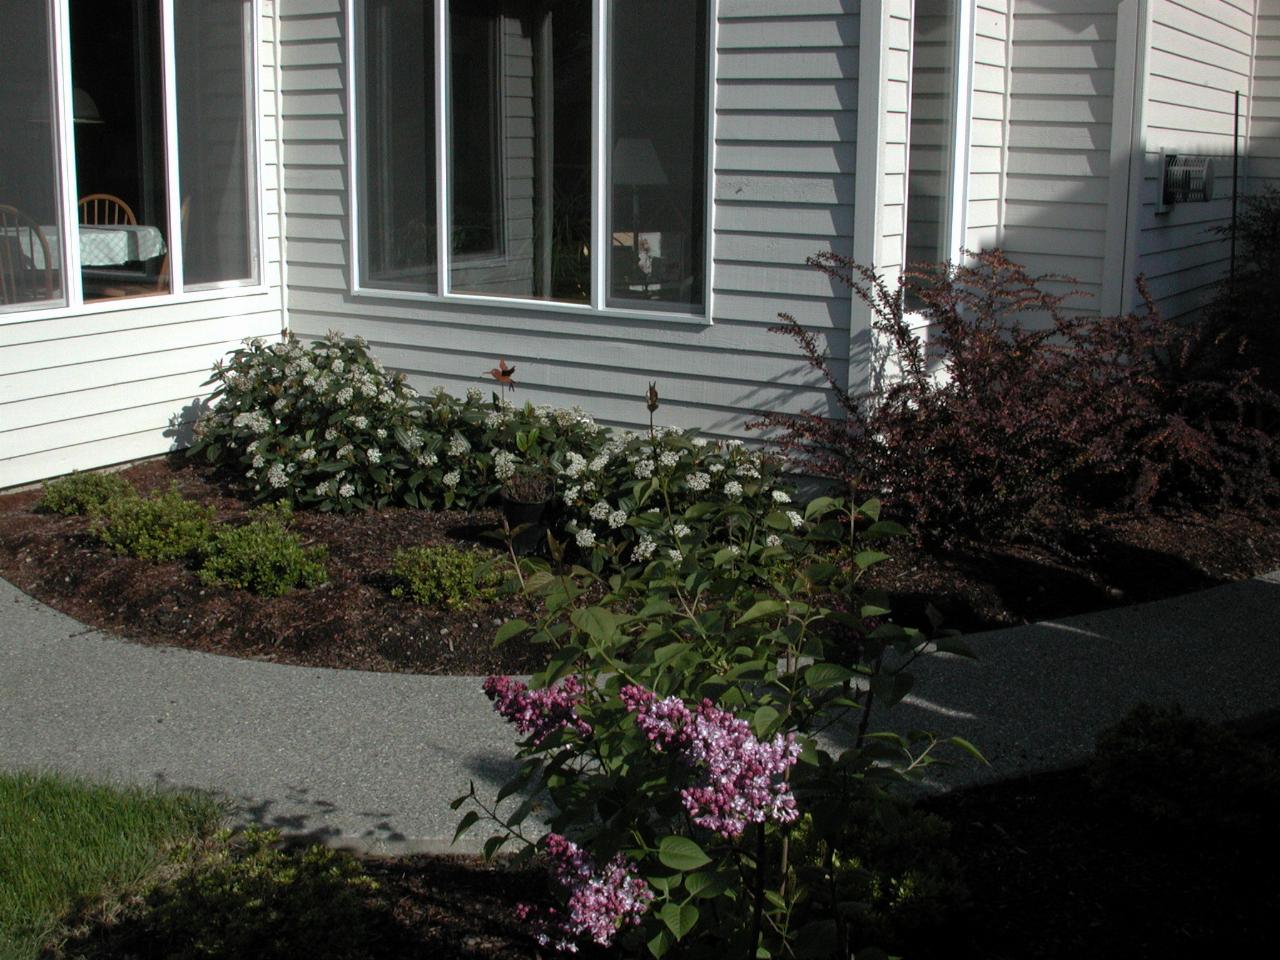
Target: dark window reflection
[[30, 215], [521, 150], [657, 167], [932, 131], [398, 145], [117, 99]]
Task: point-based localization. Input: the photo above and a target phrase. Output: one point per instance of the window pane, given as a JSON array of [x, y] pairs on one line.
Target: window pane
[[657, 167], [521, 148], [215, 140], [932, 131], [30, 216], [397, 143], [116, 57]]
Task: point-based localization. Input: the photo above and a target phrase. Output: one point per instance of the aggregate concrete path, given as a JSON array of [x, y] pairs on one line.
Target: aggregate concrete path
[[372, 760]]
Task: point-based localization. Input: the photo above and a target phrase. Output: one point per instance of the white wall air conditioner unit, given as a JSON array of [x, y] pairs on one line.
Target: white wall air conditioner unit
[[1184, 179]]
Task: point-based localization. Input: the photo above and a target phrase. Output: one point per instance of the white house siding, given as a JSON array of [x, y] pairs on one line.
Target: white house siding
[[896, 98], [1061, 81], [85, 391], [988, 130], [1264, 124], [1200, 53], [783, 187]]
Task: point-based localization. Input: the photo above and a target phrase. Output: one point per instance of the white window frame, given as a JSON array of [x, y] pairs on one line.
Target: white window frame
[[356, 52], [64, 140], [955, 229]]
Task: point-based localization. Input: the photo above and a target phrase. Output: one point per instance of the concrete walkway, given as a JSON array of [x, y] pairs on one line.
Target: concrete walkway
[[372, 760]]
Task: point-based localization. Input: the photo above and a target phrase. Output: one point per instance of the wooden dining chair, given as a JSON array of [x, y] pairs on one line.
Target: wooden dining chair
[[26, 264], [162, 279], [105, 209]]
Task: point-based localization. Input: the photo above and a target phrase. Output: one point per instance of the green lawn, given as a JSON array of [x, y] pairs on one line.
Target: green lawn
[[64, 843]]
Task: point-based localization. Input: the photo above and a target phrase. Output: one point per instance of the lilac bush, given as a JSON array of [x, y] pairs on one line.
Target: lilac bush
[[598, 902], [674, 729], [741, 779]]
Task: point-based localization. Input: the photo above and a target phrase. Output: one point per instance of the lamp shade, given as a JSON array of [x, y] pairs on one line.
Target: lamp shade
[[636, 163], [83, 108]]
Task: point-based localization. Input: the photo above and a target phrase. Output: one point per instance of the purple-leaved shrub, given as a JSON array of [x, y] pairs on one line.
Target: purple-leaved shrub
[[1020, 417]]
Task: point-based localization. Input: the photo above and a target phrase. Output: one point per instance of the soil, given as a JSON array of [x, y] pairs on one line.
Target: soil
[[354, 622], [350, 622], [1053, 870]]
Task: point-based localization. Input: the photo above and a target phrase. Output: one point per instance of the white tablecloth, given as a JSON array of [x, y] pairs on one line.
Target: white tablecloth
[[105, 245]]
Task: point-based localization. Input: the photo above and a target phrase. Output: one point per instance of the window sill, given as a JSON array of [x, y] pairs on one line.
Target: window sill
[[584, 310], [95, 307]]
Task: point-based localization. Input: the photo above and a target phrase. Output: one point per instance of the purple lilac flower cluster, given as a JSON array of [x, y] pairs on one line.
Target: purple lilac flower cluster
[[599, 904], [742, 778], [538, 712]]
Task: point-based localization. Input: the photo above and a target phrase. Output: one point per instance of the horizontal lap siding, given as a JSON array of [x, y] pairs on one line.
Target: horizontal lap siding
[[86, 391], [1059, 139], [988, 132], [1200, 54], [896, 97], [1264, 124], [783, 189]]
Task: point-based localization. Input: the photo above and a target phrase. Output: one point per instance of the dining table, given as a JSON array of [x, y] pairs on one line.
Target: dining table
[[108, 245]]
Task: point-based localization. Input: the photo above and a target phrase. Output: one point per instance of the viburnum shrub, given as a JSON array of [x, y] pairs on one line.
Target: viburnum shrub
[[1019, 417], [322, 426], [619, 499], [675, 729]]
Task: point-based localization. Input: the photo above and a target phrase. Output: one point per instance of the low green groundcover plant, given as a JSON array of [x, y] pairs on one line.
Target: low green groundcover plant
[[263, 555], [84, 493], [64, 843], [675, 730], [444, 575], [236, 896], [167, 526]]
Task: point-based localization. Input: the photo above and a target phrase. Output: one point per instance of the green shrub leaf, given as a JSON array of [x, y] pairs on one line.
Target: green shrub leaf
[[681, 853]]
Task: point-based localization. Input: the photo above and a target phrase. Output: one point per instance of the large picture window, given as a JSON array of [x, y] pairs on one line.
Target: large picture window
[[571, 161], [143, 181]]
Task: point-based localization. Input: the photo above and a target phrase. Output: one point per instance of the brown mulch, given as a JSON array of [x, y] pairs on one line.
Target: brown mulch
[[351, 622]]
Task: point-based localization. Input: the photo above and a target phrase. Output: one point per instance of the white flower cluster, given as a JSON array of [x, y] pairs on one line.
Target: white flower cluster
[[643, 550], [253, 420], [504, 464]]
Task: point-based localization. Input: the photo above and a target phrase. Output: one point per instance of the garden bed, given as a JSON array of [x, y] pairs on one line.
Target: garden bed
[[354, 622], [350, 622]]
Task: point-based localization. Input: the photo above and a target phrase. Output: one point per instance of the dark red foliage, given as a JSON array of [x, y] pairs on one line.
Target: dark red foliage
[[1018, 418]]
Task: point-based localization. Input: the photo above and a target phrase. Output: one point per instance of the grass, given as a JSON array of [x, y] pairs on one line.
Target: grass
[[65, 843]]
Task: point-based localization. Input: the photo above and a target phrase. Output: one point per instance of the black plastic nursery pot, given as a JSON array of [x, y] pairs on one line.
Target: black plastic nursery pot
[[526, 521]]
